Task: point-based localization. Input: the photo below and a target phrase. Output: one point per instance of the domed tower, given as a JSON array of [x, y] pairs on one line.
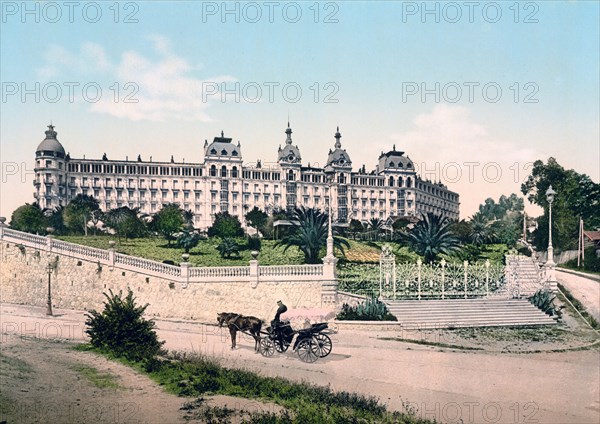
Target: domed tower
[[339, 169], [50, 172], [289, 156], [291, 163]]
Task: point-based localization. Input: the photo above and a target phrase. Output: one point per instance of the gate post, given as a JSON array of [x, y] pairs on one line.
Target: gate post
[[419, 263], [443, 263], [466, 264]]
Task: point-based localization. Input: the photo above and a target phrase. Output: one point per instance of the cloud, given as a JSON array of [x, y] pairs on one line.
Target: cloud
[[136, 87], [448, 133]]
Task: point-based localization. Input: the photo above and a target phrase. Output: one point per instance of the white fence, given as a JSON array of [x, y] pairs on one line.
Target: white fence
[[184, 273]]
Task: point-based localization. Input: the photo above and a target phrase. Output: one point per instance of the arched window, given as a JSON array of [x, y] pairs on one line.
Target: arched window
[[391, 164], [234, 171], [408, 182], [234, 153], [213, 152], [400, 181], [409, 165], [391, 181], [223, 171], [400, 165], [213, 171], [224, 152], [290, 175]]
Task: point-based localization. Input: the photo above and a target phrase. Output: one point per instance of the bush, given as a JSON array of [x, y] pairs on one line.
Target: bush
[[592, 262], [544, 300], [121, 329], [370, 310], [253, 243], [228, 247]]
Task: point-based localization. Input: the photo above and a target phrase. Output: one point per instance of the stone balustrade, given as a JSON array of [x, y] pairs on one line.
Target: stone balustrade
[[253, 274]]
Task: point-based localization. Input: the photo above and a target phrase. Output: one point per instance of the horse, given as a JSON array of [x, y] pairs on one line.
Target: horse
[[236, 322]]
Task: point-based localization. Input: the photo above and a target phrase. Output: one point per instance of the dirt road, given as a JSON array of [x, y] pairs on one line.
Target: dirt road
[[585, 290], [446, 384]]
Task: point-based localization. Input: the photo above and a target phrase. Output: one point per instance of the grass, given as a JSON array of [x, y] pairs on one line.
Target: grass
[[579, 306], [15, 366], [195, 375], [98, 379], [205, 254]]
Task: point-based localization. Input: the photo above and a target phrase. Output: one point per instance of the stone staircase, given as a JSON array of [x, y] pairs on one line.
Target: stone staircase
[[523, 276], [461, 313]]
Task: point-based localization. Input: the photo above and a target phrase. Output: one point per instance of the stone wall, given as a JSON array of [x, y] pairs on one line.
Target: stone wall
[[79, 284]]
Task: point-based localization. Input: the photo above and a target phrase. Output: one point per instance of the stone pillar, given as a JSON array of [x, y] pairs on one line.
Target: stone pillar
[[111, 253], [185, 270], [2, 225], [329, 294], [254, 271]]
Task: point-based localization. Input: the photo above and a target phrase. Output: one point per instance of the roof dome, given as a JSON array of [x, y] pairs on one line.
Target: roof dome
[[50, 143], [223, 147], [395, 161], [290, 154], [338, 158]]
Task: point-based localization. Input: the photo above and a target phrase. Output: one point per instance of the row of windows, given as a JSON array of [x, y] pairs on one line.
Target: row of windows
[[135, 169]]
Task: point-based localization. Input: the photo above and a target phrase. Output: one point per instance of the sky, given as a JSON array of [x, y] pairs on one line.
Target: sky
[[472, 92]]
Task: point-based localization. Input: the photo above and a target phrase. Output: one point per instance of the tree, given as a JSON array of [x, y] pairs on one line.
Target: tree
[[28, 218], [78, 212], [54, 219], [355, 227], [481, 230], [188, 219], [168, 221], [504, 219], [256, 218], [226, 225], [577, 196], [432, 236], [188, 240], [309, 234], [126, 222]]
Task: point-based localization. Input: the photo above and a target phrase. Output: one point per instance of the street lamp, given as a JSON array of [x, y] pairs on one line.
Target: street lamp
[[49, 269], [550, 262]]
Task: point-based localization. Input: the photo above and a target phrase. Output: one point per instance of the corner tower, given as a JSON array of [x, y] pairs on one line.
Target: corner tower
[[50, 172]]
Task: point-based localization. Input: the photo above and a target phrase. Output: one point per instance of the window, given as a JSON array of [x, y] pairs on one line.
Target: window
[[213, 170], [223, 171], [234, 170]]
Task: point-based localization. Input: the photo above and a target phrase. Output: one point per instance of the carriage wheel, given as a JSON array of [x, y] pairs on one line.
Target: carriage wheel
[[324, 343], [308, 350], [267, 347], [281, 348]]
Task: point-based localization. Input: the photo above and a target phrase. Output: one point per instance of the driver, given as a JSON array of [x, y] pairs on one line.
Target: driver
[[281, 308]]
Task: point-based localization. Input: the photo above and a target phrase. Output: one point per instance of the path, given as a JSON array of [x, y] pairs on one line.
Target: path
[[478, 387], [585, 290]]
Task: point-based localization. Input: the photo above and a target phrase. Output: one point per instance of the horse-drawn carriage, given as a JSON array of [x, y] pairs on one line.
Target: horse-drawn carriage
[[310, 343]]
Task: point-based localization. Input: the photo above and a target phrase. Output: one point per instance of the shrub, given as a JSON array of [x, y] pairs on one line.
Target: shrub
[[370, 310], [121, 329], [228, 247], [253, 243], [543, 299]]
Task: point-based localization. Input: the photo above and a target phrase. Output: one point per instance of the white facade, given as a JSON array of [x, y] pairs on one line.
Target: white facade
[[223, 183]]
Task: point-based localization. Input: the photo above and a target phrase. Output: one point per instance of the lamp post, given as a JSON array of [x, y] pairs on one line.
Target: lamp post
[[49, 269], [550, 262]]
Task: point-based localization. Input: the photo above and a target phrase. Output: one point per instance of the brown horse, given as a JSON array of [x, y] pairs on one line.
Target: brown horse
[[236, 322]]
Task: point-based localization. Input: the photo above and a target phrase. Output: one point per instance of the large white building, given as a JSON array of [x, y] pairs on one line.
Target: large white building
[[224, 183]]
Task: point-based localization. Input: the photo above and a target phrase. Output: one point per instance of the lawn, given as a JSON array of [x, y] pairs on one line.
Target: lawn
[[205, 254]]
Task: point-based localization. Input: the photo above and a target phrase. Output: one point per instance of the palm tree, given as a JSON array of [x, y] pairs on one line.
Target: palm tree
[[432, 236], [482, 231], [309, 234], [188, 217], [375, 225]]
